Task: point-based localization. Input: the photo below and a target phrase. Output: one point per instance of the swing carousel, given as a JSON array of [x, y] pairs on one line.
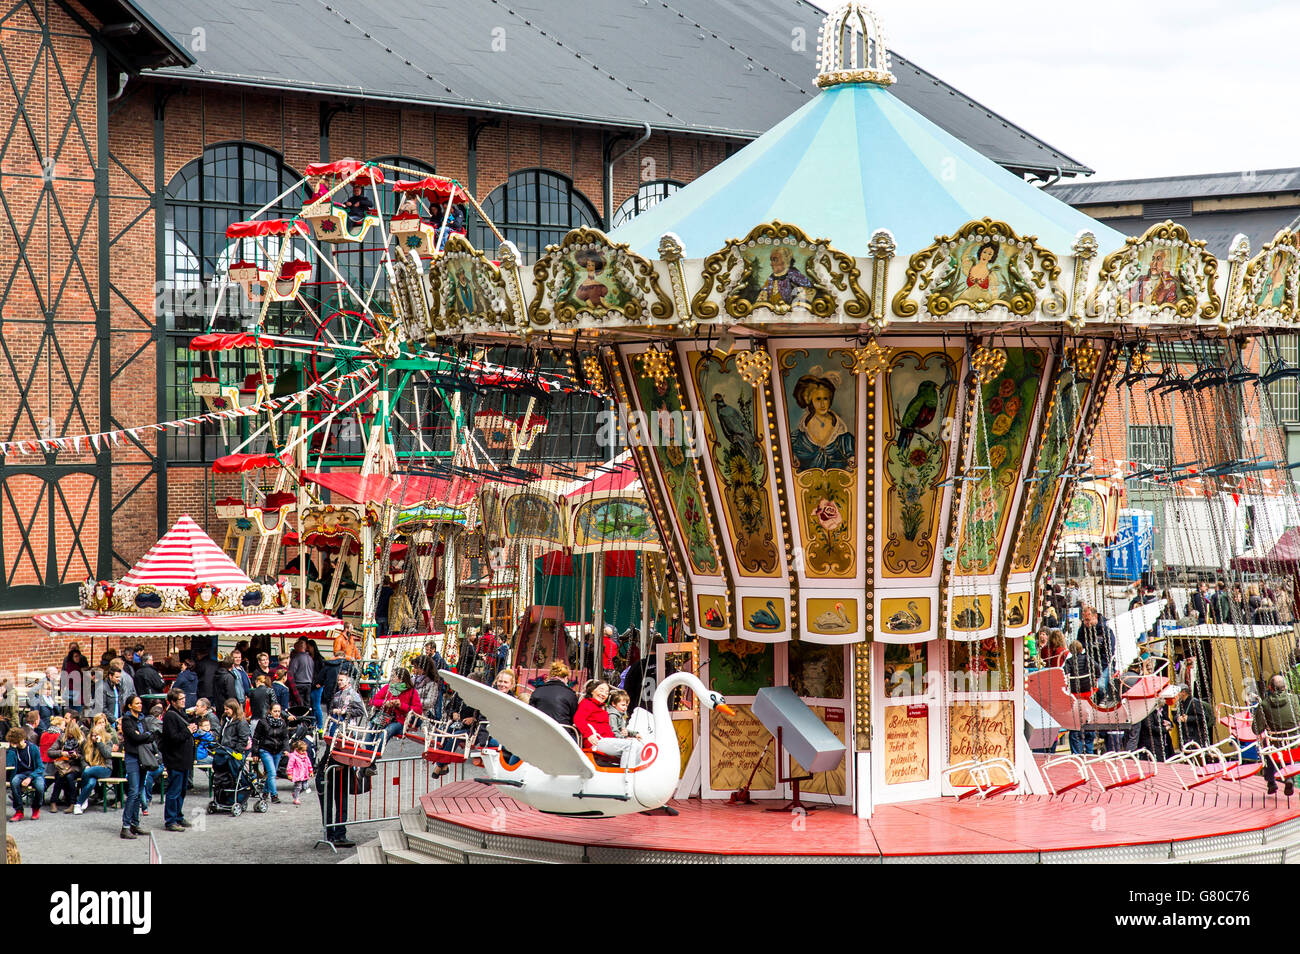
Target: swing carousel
[[862, 404]]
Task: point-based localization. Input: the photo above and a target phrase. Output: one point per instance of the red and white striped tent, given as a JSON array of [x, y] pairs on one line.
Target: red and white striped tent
[[187, 557]]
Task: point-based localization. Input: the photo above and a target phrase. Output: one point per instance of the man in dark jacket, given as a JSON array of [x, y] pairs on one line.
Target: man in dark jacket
[[205, 668], [554, 697], [177, 750], [223, 684], [147, 680], [1193, 719], [1278, 712]]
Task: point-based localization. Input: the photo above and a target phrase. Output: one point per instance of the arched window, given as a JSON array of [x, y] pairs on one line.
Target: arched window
[[228, 183], [533, 209], [646, 197]]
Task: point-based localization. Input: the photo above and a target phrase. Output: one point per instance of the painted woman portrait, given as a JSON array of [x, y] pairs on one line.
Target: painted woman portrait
[[821, 439], [982, 283], [591, 291], [1273, 292]]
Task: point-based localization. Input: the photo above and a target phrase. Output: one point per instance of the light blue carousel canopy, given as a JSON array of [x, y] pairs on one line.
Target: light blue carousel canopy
[[853, 160]]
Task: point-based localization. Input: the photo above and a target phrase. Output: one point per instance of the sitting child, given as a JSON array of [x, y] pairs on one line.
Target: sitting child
[[203, 740], [618, 703]]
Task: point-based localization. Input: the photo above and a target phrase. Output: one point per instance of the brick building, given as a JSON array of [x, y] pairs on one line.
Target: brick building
[[134, 132]]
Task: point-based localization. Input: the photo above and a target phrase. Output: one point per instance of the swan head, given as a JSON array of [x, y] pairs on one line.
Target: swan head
[[716, 701]]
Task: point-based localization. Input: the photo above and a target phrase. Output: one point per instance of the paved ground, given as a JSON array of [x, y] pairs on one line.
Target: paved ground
[[285, 834]]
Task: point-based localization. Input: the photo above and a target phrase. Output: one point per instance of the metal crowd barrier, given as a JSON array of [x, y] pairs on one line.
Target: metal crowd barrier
[[395, 787]]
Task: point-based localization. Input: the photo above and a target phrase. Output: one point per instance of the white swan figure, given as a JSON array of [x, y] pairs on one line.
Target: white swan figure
[[556, 776]]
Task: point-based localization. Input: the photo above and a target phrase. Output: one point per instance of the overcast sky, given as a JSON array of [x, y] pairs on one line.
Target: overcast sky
[[1132, 88]]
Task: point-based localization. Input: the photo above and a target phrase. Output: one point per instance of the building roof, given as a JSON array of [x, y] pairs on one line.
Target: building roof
[[1217, 229], [693, 66], [854, 160], [1165, 188], [131, 35]]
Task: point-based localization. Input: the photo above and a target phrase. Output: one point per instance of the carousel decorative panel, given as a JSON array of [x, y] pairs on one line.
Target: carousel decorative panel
[[822, 429]]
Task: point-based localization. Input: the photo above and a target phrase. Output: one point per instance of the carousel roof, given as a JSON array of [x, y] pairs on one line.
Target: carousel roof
[[854, 160], [185, 556]]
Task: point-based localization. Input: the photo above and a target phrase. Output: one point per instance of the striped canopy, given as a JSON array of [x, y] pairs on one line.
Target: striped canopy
[[853, 160], [185, 556]]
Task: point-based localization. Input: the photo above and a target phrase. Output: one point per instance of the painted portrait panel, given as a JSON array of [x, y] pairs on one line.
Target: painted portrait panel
[[920, 398], [999, 443], [822, 434], [662, 401], [534, 517], [778, 276], [735, 429], [816, 671], [587, 279], [905, 669], [1160, 277], [980, 272]]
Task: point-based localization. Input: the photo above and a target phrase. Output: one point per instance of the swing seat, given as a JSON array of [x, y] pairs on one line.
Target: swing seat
[[1243, 771], [356, 746], [329, 223], [1121, 769], [414, 233], [1076, 763], [229, 508], [987, 778]]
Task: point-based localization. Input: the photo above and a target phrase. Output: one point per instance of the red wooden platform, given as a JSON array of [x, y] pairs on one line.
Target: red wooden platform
[[1152, 815]]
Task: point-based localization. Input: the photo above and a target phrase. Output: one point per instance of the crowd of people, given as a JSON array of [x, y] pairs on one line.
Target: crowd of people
[[1089, 661], [79, 736]]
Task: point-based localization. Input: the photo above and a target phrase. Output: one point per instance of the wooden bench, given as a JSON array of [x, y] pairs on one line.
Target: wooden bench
[[107, 782]]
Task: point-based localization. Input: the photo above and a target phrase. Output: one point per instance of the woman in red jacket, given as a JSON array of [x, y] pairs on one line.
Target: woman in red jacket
[[592, 721], [398, 699], [592, 718]]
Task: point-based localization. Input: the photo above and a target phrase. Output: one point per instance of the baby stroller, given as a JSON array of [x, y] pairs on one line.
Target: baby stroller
[[234, 782], [302, 727]]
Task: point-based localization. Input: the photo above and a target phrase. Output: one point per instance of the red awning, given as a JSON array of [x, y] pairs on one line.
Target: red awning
[[254, 228], [342, 168], [217, 341], [238, 463], [400, 491], [1284, 555], [277, 622], [433, 188]]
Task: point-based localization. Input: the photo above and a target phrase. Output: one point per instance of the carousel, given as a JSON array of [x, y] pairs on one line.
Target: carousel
[[860, 367]]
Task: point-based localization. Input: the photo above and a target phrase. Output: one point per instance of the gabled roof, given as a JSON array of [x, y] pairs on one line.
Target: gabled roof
[[692, 66], [852, 161]]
